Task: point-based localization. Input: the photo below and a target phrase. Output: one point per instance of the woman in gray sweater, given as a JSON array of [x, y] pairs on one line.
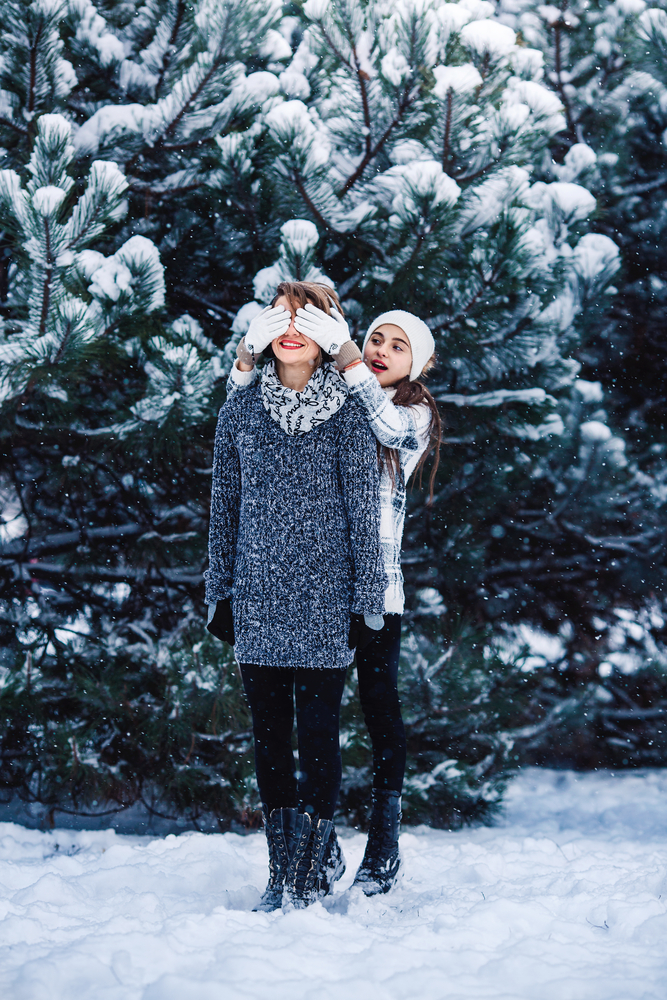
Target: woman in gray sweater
[[296, 578]]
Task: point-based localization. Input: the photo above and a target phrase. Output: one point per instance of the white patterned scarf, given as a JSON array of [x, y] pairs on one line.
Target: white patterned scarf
[[298, 412]]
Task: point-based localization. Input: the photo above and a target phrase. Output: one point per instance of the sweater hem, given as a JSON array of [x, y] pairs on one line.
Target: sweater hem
[[261, 661]]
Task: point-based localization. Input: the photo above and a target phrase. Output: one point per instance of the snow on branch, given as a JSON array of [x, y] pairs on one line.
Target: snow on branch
[[61, 326], [499, 397], [295, 262]]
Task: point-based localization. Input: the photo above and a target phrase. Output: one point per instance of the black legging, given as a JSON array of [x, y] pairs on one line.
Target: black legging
[[377, 670], [270, 692]]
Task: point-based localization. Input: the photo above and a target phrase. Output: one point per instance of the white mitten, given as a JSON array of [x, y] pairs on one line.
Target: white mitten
[[272, 322], [328, 332]]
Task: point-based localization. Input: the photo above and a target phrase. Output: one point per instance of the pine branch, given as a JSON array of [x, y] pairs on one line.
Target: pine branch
[[48, 274], [160, 144], [56, 572], [485, 284], [18, 491], [627, 544], [66, 540], [204, 302], [499, 397], [447, 136], [523, 566], [64, 340], [215, 65], [635, 189], [8, 123], [138, 187], [169, 50], [361, 78], [337, 53], [33, 70], [485, 169], [404, 105], [179, 147], [560, 86], [419, 242], [312, 208], [529, 732], [635, 714]]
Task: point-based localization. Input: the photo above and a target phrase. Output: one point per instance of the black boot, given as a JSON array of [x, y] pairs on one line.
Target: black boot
[[379, 869], [283, 829], [316, 864], [333, 864]]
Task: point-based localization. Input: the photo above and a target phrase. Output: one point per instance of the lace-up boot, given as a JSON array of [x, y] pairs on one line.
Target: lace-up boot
[[316, 864], [283, 828]]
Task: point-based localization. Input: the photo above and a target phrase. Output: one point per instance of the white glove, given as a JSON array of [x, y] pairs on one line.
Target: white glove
[[328, 332], [376, 622], [272, 322]]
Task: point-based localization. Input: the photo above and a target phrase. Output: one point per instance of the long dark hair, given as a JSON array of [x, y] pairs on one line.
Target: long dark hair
[[413, 394]]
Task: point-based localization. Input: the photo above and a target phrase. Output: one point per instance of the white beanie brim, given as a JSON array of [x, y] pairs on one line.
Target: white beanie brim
[[415, 329]]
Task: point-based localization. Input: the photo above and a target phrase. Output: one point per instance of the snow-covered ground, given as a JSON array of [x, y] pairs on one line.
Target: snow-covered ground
[[564, 899]]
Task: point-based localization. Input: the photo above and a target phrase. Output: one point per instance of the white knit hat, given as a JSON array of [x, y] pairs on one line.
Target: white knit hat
[[417, 332]]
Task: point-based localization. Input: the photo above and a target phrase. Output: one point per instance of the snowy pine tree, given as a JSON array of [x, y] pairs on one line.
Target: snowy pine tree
[[400, 151], [606, 61], [109, 404], [414, 145]]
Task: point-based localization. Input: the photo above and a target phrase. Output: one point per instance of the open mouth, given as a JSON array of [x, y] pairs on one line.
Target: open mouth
[[377, 366], [291, 345]]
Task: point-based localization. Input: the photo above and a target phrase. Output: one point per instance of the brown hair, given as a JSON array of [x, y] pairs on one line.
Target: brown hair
[[298, 293], [412, 394]]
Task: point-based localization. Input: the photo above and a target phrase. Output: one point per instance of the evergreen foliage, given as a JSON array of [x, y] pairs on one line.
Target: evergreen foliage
[[166, 163], [462, 705], [606, 61]]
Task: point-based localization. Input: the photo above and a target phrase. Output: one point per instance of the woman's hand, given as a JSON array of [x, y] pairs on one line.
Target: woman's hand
[[328, 332], [221, 624], [272, 322], [361, 633]]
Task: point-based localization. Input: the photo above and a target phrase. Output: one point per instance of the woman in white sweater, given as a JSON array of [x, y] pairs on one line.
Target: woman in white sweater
[[397, 350]]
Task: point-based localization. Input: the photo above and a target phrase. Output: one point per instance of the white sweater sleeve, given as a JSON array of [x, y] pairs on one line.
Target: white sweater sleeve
[[403, 427], [239, 380]]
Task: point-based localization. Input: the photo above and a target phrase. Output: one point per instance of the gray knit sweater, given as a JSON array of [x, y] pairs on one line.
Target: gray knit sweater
[[294, 535]]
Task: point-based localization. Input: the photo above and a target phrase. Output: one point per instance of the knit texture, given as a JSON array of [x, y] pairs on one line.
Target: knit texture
[[294, 535], [406, 428], [245, 356], [348, 353]]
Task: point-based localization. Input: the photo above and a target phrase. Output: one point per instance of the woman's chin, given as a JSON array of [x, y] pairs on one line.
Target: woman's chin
[[294, 358]]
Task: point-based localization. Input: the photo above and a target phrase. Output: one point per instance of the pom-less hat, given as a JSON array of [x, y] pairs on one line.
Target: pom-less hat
[[417, 332]]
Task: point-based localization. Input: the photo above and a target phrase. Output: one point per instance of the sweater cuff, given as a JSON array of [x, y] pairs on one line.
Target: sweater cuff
[[241, 378], [348, 353], [364, 603], [245, 356], [357, 375], [216, 588]]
